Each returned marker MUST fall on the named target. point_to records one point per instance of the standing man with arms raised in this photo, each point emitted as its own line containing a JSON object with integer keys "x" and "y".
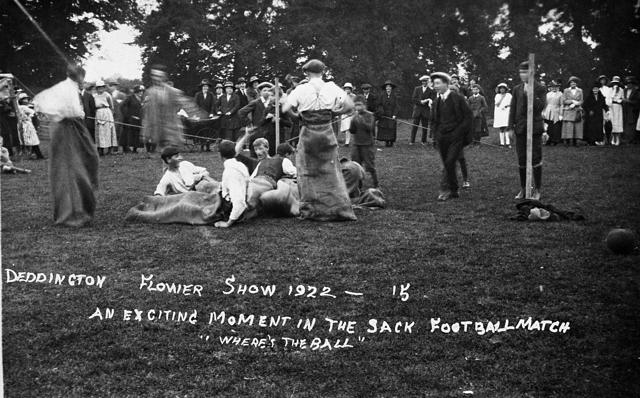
{"x": 518, "y": 120}
{"x": 451, "y": 121}
{"x": 323, "y": 193}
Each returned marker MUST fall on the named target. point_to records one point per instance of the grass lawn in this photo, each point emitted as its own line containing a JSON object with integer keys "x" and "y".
{"x": 465, "y": 260}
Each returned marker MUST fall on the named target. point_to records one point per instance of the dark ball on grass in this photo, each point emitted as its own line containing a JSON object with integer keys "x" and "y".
{"x": 621, "y": 241}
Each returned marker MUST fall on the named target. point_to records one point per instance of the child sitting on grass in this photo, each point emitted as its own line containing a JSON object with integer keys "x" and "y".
{"x": 269, "y": 170}
{"x": 233, "y": 187}
{"x": 6, "y": 164}
{"x": 181, "y": 176}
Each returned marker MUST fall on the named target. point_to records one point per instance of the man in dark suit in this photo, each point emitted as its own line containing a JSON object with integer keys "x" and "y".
{"x": 253, "y": 90}
{"x": 262, "y": 120}
{"x": 422, "y": 99}
{"x": 242, "y": 92}
{"x": 631, "y": 108}
{"x": 228, "y": 111}
{"x": 451, "y": 121}
{"x": 204, "y": 98}
{"x": 89, "y": 105}
{"x": 518, "y": 120}
{"x": 369, "y": 98}
{"x": 132, "y": 116}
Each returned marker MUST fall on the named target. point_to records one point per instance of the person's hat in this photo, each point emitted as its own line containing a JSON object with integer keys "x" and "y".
{"x": 524, "y": 66}
{"x": 169, "y": 152}
{"x": 205, "y": 82}
{"x": 631, "y": 80}
{"x": 615, "y": 80}
{"x": 359, "y": 99}
{"x": 90, "y": 84}
{"x": 574, "y": 79}
{"x": 424, "y": 77}
{"x": 242, "y": 80}
{"x": 265, "y": 84}
{"x": 348, "y": 85}
{"x": 303, "y": 81}
{"x": 602, "y": 77}
{"x": 22, "y": 96}
{"x": 388, "y": 83}
{"x": 365, "y": 86}
{"x": 502, "y": 85}
{"x": 100, "y": 83}
{"x": 454, "y": 76}
{"x": 314, "y": 66}
{"x": 441, "y": 75}
{"x": 229, "y": 84}
{"x": 138, "y": 89}
{"x": 219, "y": 85}
{"x": 113, "y": 83}
{"x": 253, "y": 79}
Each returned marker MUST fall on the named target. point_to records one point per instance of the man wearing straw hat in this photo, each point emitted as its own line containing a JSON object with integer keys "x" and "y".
{"x": 323, "y": 193}
{"x": 422, "y": 99}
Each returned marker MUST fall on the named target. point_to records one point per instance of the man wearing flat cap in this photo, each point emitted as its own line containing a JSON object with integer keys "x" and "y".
{"x": 422, "y": 99}
{"x": 451, "y": 123}
{"x": 323, "y": 192}
{"x": 518, "y": 120}
{"x": 263, "y": 122}
{"x": 369, "y": 97}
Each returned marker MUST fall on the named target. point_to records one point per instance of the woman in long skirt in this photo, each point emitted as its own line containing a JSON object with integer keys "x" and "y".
{"x": 387, "y": 113}
{"x": 502, "y": 103}
{"x": 617, "y": 124}
{"x": 572, "y": 113}
{"x": 73, "y": 170}
{"x": 551, "y": 114}
{"x": 105, "y": 127}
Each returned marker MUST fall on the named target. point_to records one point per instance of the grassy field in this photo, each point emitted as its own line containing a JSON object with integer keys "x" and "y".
{"x": 465, "y": 260}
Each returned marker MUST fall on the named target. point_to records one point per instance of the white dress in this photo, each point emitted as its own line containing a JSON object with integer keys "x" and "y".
{"x": 617, "y": 125}
{"x": 29, "y": 133}
{"x": 105, "y": 128}
{"x": 501, "y": 110}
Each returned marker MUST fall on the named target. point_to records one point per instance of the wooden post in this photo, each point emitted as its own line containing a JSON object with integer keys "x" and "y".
{"x": 277, "y": 91}
{"x": 530, "y": 96}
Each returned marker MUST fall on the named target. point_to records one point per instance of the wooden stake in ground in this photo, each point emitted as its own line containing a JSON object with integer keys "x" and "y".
{"x": 530, "y": 80}
{"x": 276, "y": 89}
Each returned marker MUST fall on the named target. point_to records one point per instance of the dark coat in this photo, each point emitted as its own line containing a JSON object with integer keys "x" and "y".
{"x": 451, "y": 117}
{"x": 256, "y": 110}
{"x": 89, "y": 105}
{"x": 593, "y": 108}
{"x": 131, "y": 109}
{"x": 631, "y": 106}
{"x": 518, "y": 109}
{"x": 231, "y": 106}
{"x": 244, "y": 99}
{"x": 420, "y": 109}
{"x": 206, "y": 104}
{"x": 372, "y": 102}
{"x": 387, "y": 108}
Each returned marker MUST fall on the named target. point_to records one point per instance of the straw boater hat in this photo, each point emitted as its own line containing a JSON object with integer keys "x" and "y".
{"x": 388, "y": 83}
{"x": 100, "y": 83}
{"x": 615, "y": 80}
{"x": 348, "y": 85}
{"x": 602, "y": 77}
{"x": 22, "y": 96}
{"x": 229, "y": 84}
{"x": 574, "y": 79}
{"x": 265, "y": 84}
{"x": 424, "y": 77}
{"x": 253, "y": 79}
{"x": 441, "y": 75}
{"x": 205, "y": 82}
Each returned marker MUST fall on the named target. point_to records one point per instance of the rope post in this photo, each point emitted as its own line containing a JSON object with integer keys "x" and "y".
{"x": 531, "y": 82}
{"x": 276, "y": 88}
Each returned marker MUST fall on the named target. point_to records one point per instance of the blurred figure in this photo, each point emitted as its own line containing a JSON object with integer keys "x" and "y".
{"x": 132, "y": 117}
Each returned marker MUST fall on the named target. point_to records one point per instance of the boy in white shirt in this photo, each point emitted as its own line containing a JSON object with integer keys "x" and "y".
{"x": 235, "y": 178}
{"x": 181, "y": 176}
